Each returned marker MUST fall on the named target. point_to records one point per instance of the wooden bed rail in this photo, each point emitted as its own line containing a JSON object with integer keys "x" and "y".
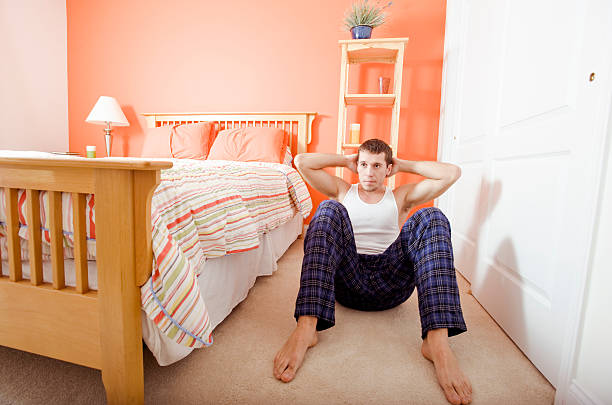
{"x": 99, "y": 329}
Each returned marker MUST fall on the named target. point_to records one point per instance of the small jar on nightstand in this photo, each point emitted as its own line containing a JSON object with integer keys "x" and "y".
{"x": 91, "y": 151}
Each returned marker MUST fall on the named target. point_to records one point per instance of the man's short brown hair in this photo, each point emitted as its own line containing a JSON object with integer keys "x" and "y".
{"x": 376, "y": 146}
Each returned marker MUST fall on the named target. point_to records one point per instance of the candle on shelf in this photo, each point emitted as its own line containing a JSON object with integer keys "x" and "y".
{"x": 355, "y": 128}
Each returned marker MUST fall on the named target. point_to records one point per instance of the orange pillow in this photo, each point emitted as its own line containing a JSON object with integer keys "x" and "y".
{"x": 186, "y": 141}
{"x": 191, "y": 141}
{"x": 250, "y": 144}
{"x": 157, "y": 142}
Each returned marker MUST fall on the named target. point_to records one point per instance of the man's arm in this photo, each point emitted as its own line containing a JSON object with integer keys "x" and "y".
{"x": 312, "y": 165}
{"x": 439, "y": 177}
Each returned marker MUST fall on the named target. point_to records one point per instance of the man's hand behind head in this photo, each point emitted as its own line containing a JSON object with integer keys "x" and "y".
{"x": 351, "y": 162}
{"x": 395, "y": 167}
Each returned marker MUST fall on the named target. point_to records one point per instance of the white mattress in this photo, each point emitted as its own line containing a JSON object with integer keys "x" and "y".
{"x": 224, "y": 282}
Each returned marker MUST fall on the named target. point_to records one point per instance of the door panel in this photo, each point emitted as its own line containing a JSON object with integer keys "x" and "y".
{"x": 531, "y": 223}
{"x": 525, "y": 135}
{"x": 540, "y": 55}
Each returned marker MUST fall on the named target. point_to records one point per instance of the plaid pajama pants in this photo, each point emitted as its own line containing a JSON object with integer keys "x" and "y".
{"x": 421, "y": 257}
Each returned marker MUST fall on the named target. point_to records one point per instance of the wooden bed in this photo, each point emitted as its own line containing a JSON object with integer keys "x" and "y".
{"x": 99, "y": 329}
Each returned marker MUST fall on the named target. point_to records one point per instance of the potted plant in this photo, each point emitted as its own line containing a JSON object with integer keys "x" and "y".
{"x": 362, "y": 17}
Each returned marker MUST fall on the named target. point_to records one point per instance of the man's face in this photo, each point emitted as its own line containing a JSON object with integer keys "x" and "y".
{"x": 372, "y": 170}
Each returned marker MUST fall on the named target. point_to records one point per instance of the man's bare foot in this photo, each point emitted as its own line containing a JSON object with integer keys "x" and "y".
{"x": 290, "y": 357}
{"x": 455, "y": 384}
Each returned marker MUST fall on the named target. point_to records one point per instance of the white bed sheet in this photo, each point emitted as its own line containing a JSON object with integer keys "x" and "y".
{"x": 224, "y": 282}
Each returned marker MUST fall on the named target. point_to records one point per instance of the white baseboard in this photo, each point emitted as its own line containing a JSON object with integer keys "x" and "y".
{"x": 577, "y": 394}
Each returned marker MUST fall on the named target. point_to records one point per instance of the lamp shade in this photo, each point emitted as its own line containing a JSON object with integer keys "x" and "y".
{"x": 107, "y": 110}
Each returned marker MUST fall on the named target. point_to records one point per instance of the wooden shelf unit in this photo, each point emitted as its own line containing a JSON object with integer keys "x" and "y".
{"x": 381, "y": 50}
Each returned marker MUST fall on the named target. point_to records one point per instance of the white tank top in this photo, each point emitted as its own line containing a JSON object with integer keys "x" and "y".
{"x": 374, "y": 225}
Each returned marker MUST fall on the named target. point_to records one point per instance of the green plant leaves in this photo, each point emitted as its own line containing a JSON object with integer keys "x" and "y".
{"x": 365, "y": 13}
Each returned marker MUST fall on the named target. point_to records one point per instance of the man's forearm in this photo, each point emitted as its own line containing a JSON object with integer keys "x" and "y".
{"x": 316, "y": 161}
{"x": 429, "y": 169}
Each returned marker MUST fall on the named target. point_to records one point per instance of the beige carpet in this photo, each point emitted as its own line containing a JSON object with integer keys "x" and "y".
{"x": 367, "y": 358}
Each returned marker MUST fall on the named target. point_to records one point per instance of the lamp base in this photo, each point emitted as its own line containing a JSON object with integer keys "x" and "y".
{"x": 108, "y": 138}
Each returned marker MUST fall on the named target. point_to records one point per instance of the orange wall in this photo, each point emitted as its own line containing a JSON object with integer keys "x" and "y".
{"x": 241, "y": 55}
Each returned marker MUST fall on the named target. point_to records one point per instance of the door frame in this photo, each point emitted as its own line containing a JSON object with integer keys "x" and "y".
{"x": 568, "y": 390}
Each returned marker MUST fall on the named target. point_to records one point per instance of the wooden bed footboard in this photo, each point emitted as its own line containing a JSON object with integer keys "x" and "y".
{"x": 99, "y": 329}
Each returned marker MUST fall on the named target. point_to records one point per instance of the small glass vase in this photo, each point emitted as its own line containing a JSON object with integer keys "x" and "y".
{"x": 361, "y": 32}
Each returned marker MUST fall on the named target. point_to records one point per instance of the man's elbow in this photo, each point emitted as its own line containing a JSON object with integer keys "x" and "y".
{"x": 454, "y": 173}
{"x": 299, "y": 161}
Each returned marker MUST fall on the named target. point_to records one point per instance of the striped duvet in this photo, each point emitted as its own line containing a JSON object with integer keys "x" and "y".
{"x": 200, "y": 210}
{"x": 210, "y": 209}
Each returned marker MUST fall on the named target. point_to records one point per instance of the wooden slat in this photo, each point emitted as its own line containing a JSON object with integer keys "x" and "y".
{"x": 80, "y": 242}
{"x": 61, "y": 324}
{"x": 301, "y": 134}
{"x": 55, "y": 231}
{"x": 12, "y": 224}
{"x": 34, "y": 237}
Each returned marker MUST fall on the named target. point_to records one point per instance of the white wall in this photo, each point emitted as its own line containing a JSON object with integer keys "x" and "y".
{"x": 33, "y": 75}
{"x": 593, "y": 373}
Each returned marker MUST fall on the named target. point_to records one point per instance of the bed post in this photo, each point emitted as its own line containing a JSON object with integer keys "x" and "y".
{"x": 119, "y": 200}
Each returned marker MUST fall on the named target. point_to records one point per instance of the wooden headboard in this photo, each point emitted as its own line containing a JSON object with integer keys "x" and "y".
{"x": 298, "y": 125}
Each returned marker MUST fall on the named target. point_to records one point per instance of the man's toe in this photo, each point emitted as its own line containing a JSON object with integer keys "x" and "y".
{"x": 279, "y": 367}
{"x": 288, "y": 374}
{"x": 466, "y": 392}
{"x": 460, "y": 389}
{"x": 451, "y": 395}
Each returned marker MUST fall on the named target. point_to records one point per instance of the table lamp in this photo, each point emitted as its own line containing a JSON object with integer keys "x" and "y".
{"x": 107, "y": 112}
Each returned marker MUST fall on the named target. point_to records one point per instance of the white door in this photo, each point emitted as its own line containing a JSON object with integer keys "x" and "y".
{"x": 523, "y": 119}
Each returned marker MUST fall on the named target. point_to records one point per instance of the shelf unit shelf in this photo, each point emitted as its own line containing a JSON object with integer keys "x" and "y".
{"x": 372, "y": 55}
{"x": 354, "y": 52}
{"x": 370, "y": 99}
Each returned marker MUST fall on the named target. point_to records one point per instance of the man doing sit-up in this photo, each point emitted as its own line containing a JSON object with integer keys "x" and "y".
{"x": 359, "y": 251}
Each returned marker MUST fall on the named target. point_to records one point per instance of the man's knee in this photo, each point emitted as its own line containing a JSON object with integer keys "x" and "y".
{"x": 427, "y": 215}
{"x": 329, "y": 208}
{"x": 432, "y": 213}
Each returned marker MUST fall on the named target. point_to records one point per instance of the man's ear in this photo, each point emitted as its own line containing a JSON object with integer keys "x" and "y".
{"x": 389, "y": 168}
